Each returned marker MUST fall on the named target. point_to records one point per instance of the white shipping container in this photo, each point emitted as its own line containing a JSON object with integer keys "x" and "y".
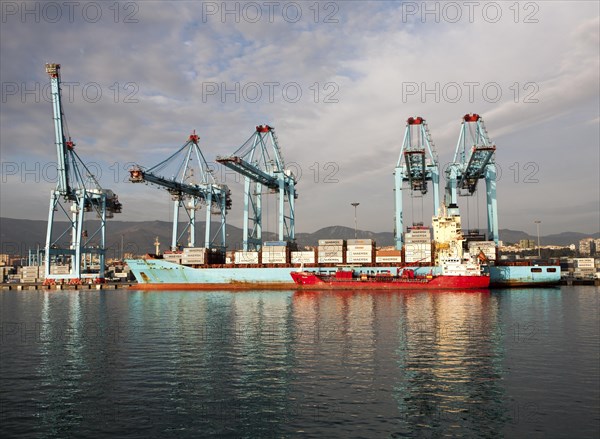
{"x": 330, "y": 260}
{"x": 359, "y": 253}
{"x": 275, "y": 261}
{"x": 331, "y": 242}
{"x": 242, "y": 257}
{"x": 303, "y": 259}
{"x": 193, "y": 250}
{"x": 395, "y": 259}
{"x": 297, "y": 257}
{"x": 359, "y": 247}
{"x": 192, "y": 260}
{"x": 353, "y": 259}
{"x": 274, "y": 256}
{"x": 584, "y": 262}
{"x": 274, "y": 249}
{"x": 331, "y": 252}
{"x": 417, "y": 259}
{"x": 419, "y": 232}
{"x": 168, "y": 256}
{"x": 360, "y": 242}
{"x": 331, "y": 248}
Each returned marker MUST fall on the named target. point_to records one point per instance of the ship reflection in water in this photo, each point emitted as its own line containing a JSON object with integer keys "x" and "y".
{"x": 306, "y": 363}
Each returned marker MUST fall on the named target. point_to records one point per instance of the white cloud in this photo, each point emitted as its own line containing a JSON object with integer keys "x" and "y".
{"x": 368, "y": 59}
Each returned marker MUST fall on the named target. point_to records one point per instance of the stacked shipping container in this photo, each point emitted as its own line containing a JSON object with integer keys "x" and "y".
{"x": 360, "y": 251}
{"x": 331, "y": 251}
{"x": 417, "y": 247}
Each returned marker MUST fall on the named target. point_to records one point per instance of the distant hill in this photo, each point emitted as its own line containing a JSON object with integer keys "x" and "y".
{"x": 17, "y": 236}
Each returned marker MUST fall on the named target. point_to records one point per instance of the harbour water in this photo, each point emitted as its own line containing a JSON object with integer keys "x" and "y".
{"x": 503, "y": 363}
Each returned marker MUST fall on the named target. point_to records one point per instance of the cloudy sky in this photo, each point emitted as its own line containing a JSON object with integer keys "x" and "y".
{"x": 336, "y": 79}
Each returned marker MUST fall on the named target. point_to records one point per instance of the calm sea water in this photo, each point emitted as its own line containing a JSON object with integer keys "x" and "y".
{"x": 507, "y": 363}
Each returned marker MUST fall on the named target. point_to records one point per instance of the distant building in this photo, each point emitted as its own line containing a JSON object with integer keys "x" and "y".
{"x": 586, "y": 246}
{"x": 4, "y": 259}
{"x": 527, "y": 243}
{"x": 597, "y": 245}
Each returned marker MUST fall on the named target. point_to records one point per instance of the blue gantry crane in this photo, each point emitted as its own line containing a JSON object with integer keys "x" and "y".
{"x": 417, "y": 165}
{"x": 77, "y": 192}
{"x": 190, "y": 188}
{"x": 474, "y": 159}
{"x": 260, "y": 161}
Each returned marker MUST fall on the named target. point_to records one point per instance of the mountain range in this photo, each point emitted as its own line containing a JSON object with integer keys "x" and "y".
{"x": 17, "y": 236}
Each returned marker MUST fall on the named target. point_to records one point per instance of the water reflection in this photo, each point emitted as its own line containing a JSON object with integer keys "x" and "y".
{"x": 261, "y": 364}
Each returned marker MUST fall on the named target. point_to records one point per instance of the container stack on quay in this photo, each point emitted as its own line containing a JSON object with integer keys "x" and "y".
{"x": 360, "y": 251}
{"x": 417, "y": 245}
{"x": 32, "y": 274}
{"x": 36, "y": 273}
{"x": 584, "y": 268}
{"x": 331, "y": 251}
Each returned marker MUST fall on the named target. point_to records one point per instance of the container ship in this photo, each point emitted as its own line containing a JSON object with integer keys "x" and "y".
{"x": 276, "y": 266}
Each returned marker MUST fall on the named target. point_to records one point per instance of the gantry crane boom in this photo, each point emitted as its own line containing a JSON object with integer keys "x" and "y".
{"x": 260, "y": 161}
{"x": 474, "y": 159}
{"x": 76, "y": 185}
{"x": 417, "y": 164}
{"x": 216, "y": 197}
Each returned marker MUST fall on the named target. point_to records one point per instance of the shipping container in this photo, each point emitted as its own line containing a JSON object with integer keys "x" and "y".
{"x": 242, "y": 257}
{"x": 193, "y": 250}
{"x": 359, "y": 253}
{"x": 354, "y": 259}
{"x": 584, "y": 262}
{"x": 339, "y": 242}
{"x": 275, "y": 244}
{"x": 192, "y": 261}
{"x": 306, "y": 257}
{"x": 332, "y": 247}
{"x": 330, "y": 260}
{"x": 359, "y": 247}
{"x": 388, "y": 259}
{"x": 274, "y": 249}
{"x": 360, "y": 242}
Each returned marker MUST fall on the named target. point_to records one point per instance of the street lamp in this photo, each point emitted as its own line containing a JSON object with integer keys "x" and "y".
{"x": 355, "y": 223}
{"x": 537, "y": 224}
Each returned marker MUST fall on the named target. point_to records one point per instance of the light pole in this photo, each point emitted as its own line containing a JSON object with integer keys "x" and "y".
{"x": 355, "y": 223}
{"x": 537, "y": 224}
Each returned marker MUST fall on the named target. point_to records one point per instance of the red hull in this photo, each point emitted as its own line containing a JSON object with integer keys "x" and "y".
{"x": 440, "y": 282}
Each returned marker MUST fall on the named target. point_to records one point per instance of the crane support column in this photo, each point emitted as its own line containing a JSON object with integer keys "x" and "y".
{"x": 492, "y": 208}
{"x": 399, "y": 212}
